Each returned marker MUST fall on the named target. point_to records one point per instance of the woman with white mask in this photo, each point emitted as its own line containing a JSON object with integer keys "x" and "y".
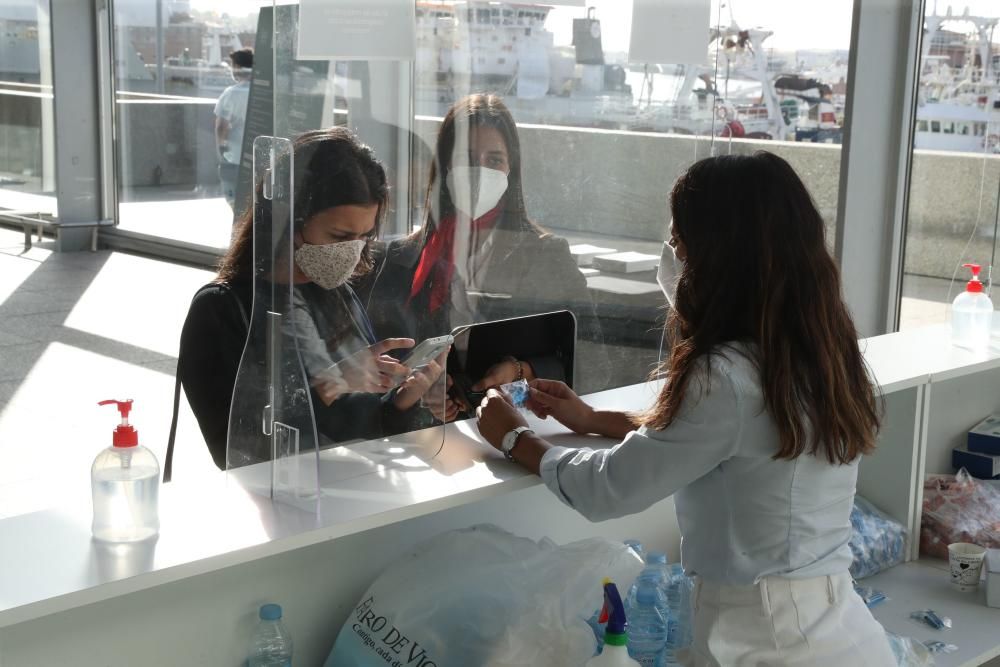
{"x": 340, "y": 195}
{"x": 757, "y": 432}
{"x": 478, "y": 257}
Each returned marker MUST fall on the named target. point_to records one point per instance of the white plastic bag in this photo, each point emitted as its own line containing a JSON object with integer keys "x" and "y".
{"x": 909, "y": 652}
{"x": 481, "y": 596}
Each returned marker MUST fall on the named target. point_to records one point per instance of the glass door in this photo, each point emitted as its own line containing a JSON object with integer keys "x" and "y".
{"x": 27, "y": 127}
{"x": 182, "y": 73}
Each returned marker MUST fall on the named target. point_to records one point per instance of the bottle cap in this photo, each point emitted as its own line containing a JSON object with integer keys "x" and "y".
{"x": 656, "y": 557}
{"x": 125, "y": 435}
{"x": 270, "y": 612}
{"x": 973, "y": 285}
{"x": 614, "y": 613}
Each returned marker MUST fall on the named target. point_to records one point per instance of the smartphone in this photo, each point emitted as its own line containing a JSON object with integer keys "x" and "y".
{"x": 427, "y": 351}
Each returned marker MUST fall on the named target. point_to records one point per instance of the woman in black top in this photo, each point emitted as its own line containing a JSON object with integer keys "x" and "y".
{"x": 340, "y": 195}
{"x": 478, "y": 257}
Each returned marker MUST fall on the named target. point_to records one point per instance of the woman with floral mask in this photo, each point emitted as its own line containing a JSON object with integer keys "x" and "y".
{"x": 340, "y": 197}
{"x": 478, "y": 257}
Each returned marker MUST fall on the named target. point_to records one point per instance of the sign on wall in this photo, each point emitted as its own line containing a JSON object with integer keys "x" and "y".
{"x": 357, "y": 30}
{"x": 670, "y": 31}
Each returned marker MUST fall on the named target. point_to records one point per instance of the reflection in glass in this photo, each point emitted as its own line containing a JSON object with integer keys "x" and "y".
{"x": 955, "y": 171}
{"x": 304, "y": 368}
{"x": 27, "y": 127}
{"x": 179, "y": 102}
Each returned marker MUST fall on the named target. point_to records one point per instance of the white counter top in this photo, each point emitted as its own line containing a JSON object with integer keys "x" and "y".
{"x": 910, "y": 358}
{"x": 51, "y": 564}
{"x": 925, "y": 584}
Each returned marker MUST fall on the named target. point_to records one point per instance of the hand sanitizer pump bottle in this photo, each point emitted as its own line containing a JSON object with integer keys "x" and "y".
{"x": 125, "y": 481}
{"x": 972, "y": 314}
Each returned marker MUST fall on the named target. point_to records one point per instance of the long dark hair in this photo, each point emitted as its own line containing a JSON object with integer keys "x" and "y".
{"x": 757, "y": 270}
{"x": 331, "y": 168}
{"x": 467, "y": 115}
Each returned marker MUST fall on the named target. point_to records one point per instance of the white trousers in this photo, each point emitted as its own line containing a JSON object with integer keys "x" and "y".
{"x": 818, "y": 622}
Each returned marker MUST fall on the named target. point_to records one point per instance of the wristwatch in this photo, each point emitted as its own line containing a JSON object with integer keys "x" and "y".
{"x": 510, "y": 440}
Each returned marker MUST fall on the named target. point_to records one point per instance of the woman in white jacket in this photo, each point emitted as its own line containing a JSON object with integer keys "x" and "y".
{"x": 765, "y": 413}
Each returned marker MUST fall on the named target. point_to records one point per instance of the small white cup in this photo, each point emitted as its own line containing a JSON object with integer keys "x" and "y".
{"x": 966, "y": 564}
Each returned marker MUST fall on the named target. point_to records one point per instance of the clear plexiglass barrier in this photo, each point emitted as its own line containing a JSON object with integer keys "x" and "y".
{"x": 426, "y": 167}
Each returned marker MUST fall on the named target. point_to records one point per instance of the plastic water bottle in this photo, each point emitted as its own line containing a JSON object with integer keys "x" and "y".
{"x": 636, "y": 546}
{"x": 647, "y": 629}
{"x": 657, "y": 572}
{"x": 679, "y": 636}
{"x": 656, "y": 561}
{"x": 272, "y": 643}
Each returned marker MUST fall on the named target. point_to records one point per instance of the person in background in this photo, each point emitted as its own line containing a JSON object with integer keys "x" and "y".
{"x": 478, "y": 256}
{"x": 765, "y": 413}
{"x": 340, "y": 198}
{"x": 230, "y": 118}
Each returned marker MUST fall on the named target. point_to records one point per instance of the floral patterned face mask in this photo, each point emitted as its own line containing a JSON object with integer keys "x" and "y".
{"x": 329, "y": 265}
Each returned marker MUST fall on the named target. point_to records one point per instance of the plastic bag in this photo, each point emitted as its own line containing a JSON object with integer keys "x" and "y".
{"x": 482, "y": 596}
{"x": 958, "y": 508}
{"x": 877, "y": 542}
{"x": 909, "y": 652}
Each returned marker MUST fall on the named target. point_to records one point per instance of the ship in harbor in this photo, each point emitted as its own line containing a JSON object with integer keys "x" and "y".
{"x": 958, "y": 108}
{"x": 504, "y": 47}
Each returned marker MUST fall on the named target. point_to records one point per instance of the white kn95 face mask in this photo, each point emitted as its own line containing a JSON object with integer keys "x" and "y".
{"x": 669, "y": 272}
{"x": 476, "y": 190}
{"x": 329, "y": 265}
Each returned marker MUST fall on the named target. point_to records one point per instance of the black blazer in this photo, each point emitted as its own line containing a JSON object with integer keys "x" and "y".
{"x": 536, "y": 271}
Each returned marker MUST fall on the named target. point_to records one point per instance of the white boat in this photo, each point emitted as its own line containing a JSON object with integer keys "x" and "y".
{"x": 958, "y": 107}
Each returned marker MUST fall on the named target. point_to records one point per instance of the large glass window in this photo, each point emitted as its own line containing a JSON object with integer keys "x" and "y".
{"x": 597, "y": 139}
{"x": 27, "y": 128}
{"x": 180, "y": 101}
{"x": 955, "y": 177}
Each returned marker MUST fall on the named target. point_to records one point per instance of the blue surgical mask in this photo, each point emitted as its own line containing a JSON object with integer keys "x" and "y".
{"x": 669, "y": 272}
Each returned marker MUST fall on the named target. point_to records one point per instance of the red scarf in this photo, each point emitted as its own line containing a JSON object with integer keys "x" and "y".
{"x": 437, "y": 261}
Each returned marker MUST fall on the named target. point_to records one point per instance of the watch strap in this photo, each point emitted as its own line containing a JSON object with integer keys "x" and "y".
{"x": 511, "y": 439}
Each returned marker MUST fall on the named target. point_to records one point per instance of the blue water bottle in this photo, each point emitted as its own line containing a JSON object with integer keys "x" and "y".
{"x": 647, "y": 635}
{"x": 272, "y": 643}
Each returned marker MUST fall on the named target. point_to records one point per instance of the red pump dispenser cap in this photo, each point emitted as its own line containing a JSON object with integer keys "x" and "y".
{"x": 973, "y": 285}
{"x": 125, "y": 435}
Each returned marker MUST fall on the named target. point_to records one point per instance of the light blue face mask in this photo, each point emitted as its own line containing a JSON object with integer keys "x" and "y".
{"x": 669, "y": 272}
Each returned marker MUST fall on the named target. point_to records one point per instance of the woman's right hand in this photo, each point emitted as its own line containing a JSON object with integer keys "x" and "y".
{"x": 368, "y": 370}
{"x": 553, "y": 398}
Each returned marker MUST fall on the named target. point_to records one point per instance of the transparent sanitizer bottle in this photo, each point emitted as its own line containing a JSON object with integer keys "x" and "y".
{"x": 972, "y": 314}
{"x": 125, "y": 481}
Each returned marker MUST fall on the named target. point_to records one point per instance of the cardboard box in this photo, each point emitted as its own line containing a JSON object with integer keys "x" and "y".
{"x": 982, "y": 466}
{"x": 992, "y": 567}
{"x": 985, "y": 437}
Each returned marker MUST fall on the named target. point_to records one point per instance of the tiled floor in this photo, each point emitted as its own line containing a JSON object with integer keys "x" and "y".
{"x": 76, "y": 328}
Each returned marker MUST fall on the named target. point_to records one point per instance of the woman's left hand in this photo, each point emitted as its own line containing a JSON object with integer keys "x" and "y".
{"x": 419, "y": 383}
{"x": 496, "y": 417}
